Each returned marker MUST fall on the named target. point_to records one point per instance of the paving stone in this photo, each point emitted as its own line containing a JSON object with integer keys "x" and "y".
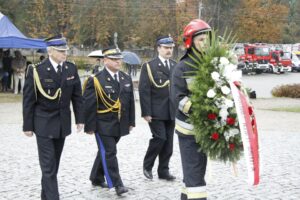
{"x": 20, "y": 172}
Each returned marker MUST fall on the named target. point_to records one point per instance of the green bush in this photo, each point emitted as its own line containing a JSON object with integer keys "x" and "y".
{"x": 80, "y": 63}
{"x": 292, "y": 90}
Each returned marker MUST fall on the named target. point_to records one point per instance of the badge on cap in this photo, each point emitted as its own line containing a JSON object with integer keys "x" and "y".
{"x": 57, "y": 42}
{"x": 112, "y": 52}
{"x": 165, "y": 41}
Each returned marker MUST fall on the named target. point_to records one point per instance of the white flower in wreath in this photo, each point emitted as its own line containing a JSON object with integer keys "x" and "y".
{"x": 227, "y": 136}
{"x": 223, "y": 114}
{"x": 214, "y": 61}
{"x": 224, "y": 61}
{"x": 229, "y": 103}
{"x": 225, "y": 90}
{"x": 218, "y": 125}
{"x": 215, "y": 76}
{"x": 219, "y": 102}
{"x": 233, "y": 132}
{"x": 211, "y": 93}
{"x": 228, "y": 70}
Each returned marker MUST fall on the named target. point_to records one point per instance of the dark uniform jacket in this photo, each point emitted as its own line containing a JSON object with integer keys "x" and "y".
{"x": 156, "y": 102}
{"x": 52, "y": 118}
{"x": 180, "y": 92}
{"x": 108, "y": 124}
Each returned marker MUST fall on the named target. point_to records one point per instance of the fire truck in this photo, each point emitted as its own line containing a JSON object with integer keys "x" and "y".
{"x": 255, "y": 58}
{"x": 280, "y": 61}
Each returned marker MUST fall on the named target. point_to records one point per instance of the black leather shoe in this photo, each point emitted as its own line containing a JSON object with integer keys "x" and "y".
{"x": 167, "y": 177}
{"x": 148, "y": 174}
{"x": 101, "y": 184}
{"x": 121, "y": 190}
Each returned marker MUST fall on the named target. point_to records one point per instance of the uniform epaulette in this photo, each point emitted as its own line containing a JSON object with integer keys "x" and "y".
{"x": 37, "y": 64}
{"x": 30, "y": 66}
{"x": 96, "y": 74}
{"x": 144, "y": 63}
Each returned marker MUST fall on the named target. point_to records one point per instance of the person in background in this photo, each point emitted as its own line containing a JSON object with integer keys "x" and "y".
{"x": 1, "y": 66}
{"x": 7, "y": 71}
{"x": 97, "y": 172}
{"x": 42, "y": 57}
{"x": 19, "y": 66}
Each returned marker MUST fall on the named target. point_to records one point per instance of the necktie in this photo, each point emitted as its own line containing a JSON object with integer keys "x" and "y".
{"x": 166, "y": 64}
{"x": 58, "y": 71}
{"x": 116, "y": 79}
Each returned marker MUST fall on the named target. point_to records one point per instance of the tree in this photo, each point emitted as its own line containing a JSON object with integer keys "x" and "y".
{"x": 291, "y": 29}
{"x": 261, "y": 21}
{"x": 35, "y": 25}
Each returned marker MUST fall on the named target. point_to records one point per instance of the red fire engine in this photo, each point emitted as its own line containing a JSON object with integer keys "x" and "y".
{"x": 280, "y": 61}
{"x": 255, "y": 58}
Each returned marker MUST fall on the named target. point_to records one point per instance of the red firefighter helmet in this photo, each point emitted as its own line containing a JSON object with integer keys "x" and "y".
{"x": 195, "y": 27}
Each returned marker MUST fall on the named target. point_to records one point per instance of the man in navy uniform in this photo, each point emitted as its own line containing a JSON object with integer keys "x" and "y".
{"x": 109, "y": 113}
{"x": 49, "y": 88}
{"x": 157, "y": 108}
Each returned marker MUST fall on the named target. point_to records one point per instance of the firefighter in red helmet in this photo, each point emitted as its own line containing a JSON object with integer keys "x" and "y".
{"x": 196, "y": 36}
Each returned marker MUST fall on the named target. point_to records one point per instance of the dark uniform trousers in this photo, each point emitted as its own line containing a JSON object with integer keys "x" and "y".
{"x": 108, "y": 154}
{"x": 49, "y": 151}
{"x": 50, "y": 119}
{"x": 193, "y": 164}
{"x": 97, "y": 173}
{"x": 155, "y": 102}
{"x": 160, "y": 145}
{"x": 108, "y": 127}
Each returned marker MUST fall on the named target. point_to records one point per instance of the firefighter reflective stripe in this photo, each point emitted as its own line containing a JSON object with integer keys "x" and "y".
{"x": 185, "y": 105}
{"x": 195, "y": 192}
{"x": 189, "y": 82}
{"x": 165, "y": 84}
{"x": 38, "y": 85}
{"x": 184, "y": 128}
{"x": 182, "y": 102}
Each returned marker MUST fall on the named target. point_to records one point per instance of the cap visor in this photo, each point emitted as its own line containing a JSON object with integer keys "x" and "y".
{"x": 168, "y": 45}
{"x": 61, "y": 48}
{"x": 115, "y": 56}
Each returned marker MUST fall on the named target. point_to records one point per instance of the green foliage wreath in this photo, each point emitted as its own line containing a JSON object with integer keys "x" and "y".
{"x": 213, "y": 111}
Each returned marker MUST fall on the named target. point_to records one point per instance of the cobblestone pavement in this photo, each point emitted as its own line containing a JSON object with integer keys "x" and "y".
{"x": 20, "y": 172}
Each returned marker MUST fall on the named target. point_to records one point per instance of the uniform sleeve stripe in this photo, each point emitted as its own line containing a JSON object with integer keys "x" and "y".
{"x": 184, "y": 124}
{"x": 182, "y": 103}
{"x": 187, "y": 107}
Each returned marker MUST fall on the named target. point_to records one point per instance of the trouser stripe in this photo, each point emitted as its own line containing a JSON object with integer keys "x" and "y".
{"x": 102, "y": 151}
